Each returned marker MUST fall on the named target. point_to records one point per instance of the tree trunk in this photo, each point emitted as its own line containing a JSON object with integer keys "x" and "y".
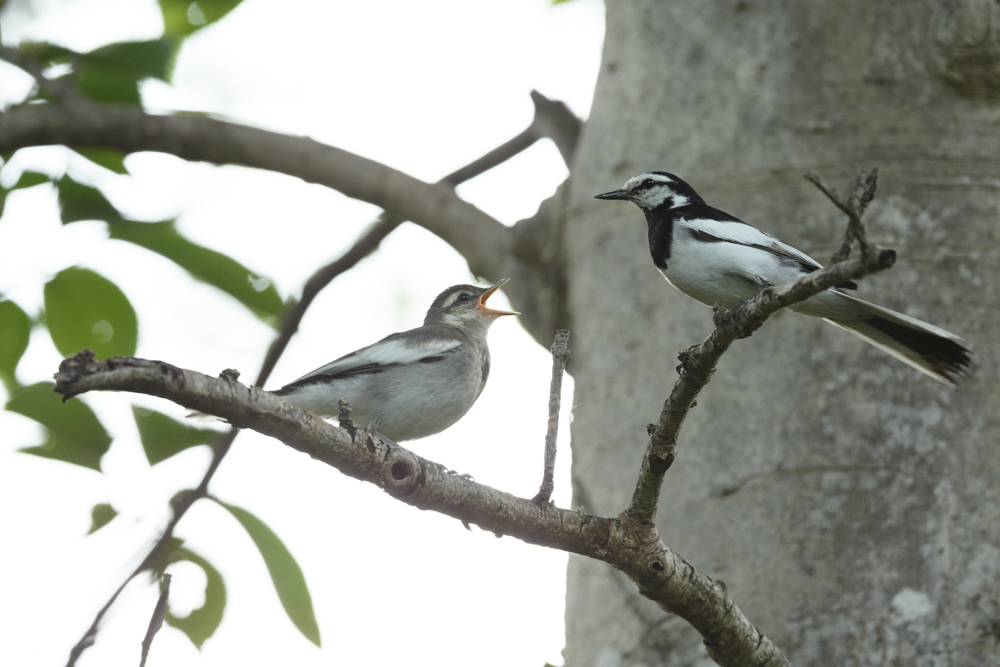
{"x": 851, "y": 505}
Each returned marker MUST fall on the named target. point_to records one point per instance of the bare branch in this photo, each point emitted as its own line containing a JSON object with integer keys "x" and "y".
{"x": 485, "y": 242}
{"x": 156, "y": 620}
{"x": 854, "y": 207}
{"x": 633, "y": 548}
{"x": 699, "y": 362}
{"x": 560, "y": 355}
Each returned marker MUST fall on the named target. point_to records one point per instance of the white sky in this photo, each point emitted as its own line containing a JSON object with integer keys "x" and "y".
{"x": 421, "y": 86}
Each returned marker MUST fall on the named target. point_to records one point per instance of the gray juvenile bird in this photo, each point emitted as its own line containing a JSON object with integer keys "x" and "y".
{"x": 414, "y": 383}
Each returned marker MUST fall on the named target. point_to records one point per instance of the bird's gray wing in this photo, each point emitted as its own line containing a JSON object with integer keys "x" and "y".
{"x": 403, "y": 348}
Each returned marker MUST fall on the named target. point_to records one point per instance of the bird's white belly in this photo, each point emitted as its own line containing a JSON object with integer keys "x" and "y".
{"x": 727, "y": 274}
{"x": 716, "y": 273}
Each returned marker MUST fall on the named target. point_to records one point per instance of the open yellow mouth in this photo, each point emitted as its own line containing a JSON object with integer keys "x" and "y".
{"x": 481, "y": 303}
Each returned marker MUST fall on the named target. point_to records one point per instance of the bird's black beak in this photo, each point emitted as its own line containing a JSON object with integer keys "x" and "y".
{"x": 616, "y": 194}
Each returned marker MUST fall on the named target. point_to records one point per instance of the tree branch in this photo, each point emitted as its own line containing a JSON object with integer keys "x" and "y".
{"x": 545, "y": 120}
{"x": 156, "y": 620}
{"x": 698, "y": 363}
{"x": 548, "y": 121}
{"x": 560, "y": 355}
{"x": 631, "y": 547}
{"x": 484, "y": 242}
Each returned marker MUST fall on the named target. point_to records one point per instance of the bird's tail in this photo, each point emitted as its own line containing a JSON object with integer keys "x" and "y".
{"x": 927, "y": 348}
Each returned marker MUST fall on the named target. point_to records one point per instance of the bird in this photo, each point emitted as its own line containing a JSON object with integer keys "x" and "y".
{"x": 716, "y": 258}
{"x": 415, "y": 383}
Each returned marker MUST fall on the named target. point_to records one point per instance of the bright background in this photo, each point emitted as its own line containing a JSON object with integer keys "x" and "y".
{"x": 424, "y": 87}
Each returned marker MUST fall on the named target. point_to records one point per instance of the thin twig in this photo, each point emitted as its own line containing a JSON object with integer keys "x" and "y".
{"x": 560, "y": 354}
{"x": 181, "y": 504}
{"x": 156, "y": 620}
{"x": 854, "y": 207}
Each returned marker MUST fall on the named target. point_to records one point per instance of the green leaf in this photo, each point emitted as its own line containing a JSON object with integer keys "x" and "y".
{"x": 100, "y": 516}
{"x": 256, "y": 293}
{"x": 289, "y": 582}
{"x": 109, "y": 158}
{"x": 86, "y": 310}
{"x": 134, "y": 60}
{"x": 107, "y": 85}
{"x": 162, "y": 437}
{"x": 15, "y": 329}
{"x": 30, "y": 179}
{"x": 183, "y": 17}
{"x": 50, "y": 54}
{"x": 83, "y": 202}
{"x": 73, "y": 433}
{"x": 202, "y": 622}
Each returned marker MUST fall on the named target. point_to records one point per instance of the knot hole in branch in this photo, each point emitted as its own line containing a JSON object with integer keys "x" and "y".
{"x": 401, "y": 472}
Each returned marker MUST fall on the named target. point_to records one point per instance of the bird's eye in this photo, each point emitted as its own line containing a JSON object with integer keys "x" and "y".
{"x": 464, "y": 297}
{"x": 648, "y": 183}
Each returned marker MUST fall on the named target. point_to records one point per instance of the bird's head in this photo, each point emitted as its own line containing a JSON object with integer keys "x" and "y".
{"x": 655, "y": 190}
{"x": 464, "y": 306}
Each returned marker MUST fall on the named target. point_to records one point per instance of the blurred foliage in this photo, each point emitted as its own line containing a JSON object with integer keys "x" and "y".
{"x": 183, "y": 17}
{"x": 202, "y": 622}
{"x": 101, "y": 515}
{"x": 72, "y": 432}
{"x": 15, "y": 328}
{"x": 84, "y": 202}
{"x": 111, "y": 159}
{"x": 83, "y": 309}
{"x": 162, "y": 437}
{"x": 289, "y": 582}
{"x": 86, "y": 310}
{"x": 252, "y": 290}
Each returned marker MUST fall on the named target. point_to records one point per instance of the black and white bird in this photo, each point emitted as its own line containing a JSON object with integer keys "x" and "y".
{"x": 718, "y": 259}
{"x": 414, "y": 383}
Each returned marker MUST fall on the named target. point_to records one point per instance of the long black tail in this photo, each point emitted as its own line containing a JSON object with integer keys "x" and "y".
{"x": 931, "y": 350}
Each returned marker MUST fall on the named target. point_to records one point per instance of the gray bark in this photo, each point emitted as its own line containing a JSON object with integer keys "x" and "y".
{"x": 851, "y": 505}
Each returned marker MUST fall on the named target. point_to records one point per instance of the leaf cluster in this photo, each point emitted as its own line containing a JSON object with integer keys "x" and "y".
{"x": 84, "y": 309}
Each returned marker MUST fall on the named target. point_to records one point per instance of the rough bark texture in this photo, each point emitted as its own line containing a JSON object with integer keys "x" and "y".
{"x": 850, "y": 504}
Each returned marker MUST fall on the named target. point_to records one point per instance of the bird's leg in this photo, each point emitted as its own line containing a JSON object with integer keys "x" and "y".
{"x": 344, "y": 418}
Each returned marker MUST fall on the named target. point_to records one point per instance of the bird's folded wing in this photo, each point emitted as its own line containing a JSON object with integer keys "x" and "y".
{"x": 387, "y": 352}
{"x": 740, "y": 233}
{"x": 736, "y": 231}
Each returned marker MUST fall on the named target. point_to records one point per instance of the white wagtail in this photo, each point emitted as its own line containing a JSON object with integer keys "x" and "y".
{"x": 415, "y": 383}
{"x": 718, "y": 259}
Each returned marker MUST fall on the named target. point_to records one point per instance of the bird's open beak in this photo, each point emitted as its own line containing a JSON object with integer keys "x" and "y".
{"x": 481, "y": 304}
{"x": 615, "y": 194}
